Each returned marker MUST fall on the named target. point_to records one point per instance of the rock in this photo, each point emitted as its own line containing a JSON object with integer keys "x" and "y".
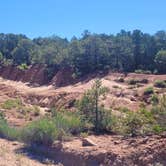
{"x": 133, "y": 98}
{"x": 144, "y": 141}
{"x": 116, "y": 142}
{"x": 163, "y": 135}
{"x": 58, "y": 145}
{"x": 87, "y": 142}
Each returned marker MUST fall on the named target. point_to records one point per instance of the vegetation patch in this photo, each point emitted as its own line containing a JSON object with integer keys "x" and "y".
{"x": 90, "y": 116}
{"x": 137, "y": 82}
{"x": 140, "y": 71}
{"x": 11, "y": 103}
{"x": 160, "y": 84}
{"x": 148, "y": 91}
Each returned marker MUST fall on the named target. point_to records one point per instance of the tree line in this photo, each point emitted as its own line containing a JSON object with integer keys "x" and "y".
{"x": 124, "y": 52}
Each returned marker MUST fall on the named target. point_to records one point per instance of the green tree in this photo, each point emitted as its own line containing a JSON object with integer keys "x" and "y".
{"x": 89, "y": 104}
{"x": 160, "y": 61}
{"x": 23, "y": 52}
{"x": 1, "y": 58}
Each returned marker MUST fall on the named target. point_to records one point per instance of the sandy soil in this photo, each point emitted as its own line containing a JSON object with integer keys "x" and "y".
{"x": 10, "y": 156}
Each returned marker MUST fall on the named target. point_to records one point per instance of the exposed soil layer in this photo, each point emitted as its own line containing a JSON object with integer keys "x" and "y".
{"x": 120, "y": 94}
{"x": 38, "y": 74}
{"x": 109, "y": 150}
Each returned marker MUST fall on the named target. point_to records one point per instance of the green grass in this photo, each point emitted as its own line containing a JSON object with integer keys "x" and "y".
{"x": 11, "y": 103}
{"x": 41, "y": 132}
{"x": 8, "y": 132}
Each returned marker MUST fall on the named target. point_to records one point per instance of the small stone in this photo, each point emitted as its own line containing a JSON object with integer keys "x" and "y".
{"x": 58, "y": 145}
{"x": 87, "y": 142}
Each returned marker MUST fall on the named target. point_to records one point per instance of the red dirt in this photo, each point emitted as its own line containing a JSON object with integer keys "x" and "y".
{"x": 110, "y": 150}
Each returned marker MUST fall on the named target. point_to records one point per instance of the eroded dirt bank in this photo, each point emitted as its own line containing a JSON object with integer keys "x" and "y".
{"x": 120, "y": 94}
{"x": 38, "y": 74}
{"x": 109, "y": 151}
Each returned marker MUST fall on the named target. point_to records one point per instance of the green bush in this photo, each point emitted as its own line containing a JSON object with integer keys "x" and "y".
{"x": 154, "y": 99}
{"x": 69, "y": 122}
{"x": 140, "y": 71}
{"x": 133, "y": 123}
{"x": 133, "y": 82}
{"x": 8, "y": 132}
{"x": 136, "y": 81}
{"x": 107, "y": 121}
{"x": 23, "y": 66}
{"x": 11, "y": 103}
{"x": 160, "y": 84}
{"x": 36, "y": 110}
{"x": 159, "y": 113}
{"x": 124, "y": 109}
{"x": 2, "y": 116}
{"x": 157, "y": 129}
{"x": 41, "y": 132}
{"x": 148, "y": 91}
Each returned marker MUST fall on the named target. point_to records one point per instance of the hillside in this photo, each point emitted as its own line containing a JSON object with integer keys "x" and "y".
{"x": 121, "y": 94}
{"x": 109, "y": 149}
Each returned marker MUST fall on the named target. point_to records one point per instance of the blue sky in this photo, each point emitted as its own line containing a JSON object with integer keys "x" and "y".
{"x": 71, "y": 17}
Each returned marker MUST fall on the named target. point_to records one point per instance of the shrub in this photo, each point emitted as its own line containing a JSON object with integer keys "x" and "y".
{"x": 133, "y": 123}
{"x": 116, "y": 86}
{"x": 132, "y": 82}
{"x": 2, "y": 116}
{"x": 147, "y": 72}
{"x": 23, "y": 66}
{"x": 7, "y": 131}
{"x": 148, "y": 91}
{"x": 41, "y": 132}
{"x": 157, "y": 129}
{"x": 159, "y": 113}
{"x": 160, "y": 84}
{"x": 124, "y": 109}
{"x": 140, "y": 71}
{"x": 107, "y": 121}
{"x": 36, "y": 110}
{"x": 69, "y": 122}
{"x": 11, "y": 103}
{"x": 144, "y": 81}
{"x": 154, "y": 99}
{"x": 135, "y": 81}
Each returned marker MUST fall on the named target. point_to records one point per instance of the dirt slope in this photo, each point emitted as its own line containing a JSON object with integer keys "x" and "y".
{"x": 109, "y": 150}
{"x": 10, "y": 157}
{"x": 120, "y": 94}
